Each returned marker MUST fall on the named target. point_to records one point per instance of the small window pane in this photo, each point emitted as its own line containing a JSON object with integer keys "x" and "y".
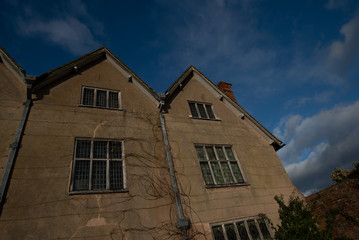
{"x": 237, "y": 173}
{"x": 100, "y": 98}
{"x": 217, "y": 173}
{"x": 88, "y": 97}
{"x": 218, "y": 233}
{"x": 98, "y": 175}
{"x": 201, "y": 110}
{"x": 115, "y": 150}
{"x": 210, "y": 153}
{"x": 99, "y": 149}
{"x": 231, "y": 233}
{"x": 193, "y": 109}
{"x": 227, "y": 172}
{"x": 243, "y": 234}
{"x": 206, "y": 173}
{"x": 81, "y": 175}
{"x": 230, "y": 154}
{"x": 220, "y": 153}
{"x": 200, "y": 153}
{"x": 253, "y": 230}
{"x": 116, "y": 176}
{"x": 210, "y": 112}
{"x": 264, "y": 229}
{"x": 113, "y": 100}
{"x": 83, "y": 149}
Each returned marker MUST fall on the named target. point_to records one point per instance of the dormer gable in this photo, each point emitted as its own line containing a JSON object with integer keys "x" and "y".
{"x": 199, "y": 105}
{"x": 77, "y": 66}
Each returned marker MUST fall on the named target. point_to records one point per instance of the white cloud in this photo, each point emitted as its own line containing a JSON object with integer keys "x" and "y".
{"x": 344, "y": 53}
{"x": 69, "y": 33}
{"x": 318, "y": 144}
{"x": 70, "y": 25}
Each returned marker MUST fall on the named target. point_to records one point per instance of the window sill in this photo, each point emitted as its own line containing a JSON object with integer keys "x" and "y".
{"x": 98, "y": 192}
{"x": 208, "y": 119}
{"x": 227, "y": 185}
{"x": 118, "y": 109}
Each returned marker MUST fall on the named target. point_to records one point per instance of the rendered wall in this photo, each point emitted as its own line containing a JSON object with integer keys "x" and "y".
{"x": 258, "y": 161}
{"x": 39, "y": 205}
{"x": 13, "y": 95}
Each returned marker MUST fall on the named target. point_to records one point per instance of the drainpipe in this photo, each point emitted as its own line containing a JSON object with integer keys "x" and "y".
{"x": 15, "y": 146}
{"x": 182, "y": 222}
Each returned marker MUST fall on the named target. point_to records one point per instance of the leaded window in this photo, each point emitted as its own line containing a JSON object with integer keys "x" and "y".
{"x": 218, "y": 165}
{"x": 253, "y": 228}
{"x": 98, "y": 165}
{"x": 101, "y": 98}
{"x": 201, "y": 110}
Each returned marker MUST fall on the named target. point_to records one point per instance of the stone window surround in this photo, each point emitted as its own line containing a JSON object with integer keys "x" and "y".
{"x": 94, "y": 100}
{"x": 91, "y": 159}
{"x": 245, "y": 221}
{"x": 230, "y": 163}
{"x": 207, "y": 112}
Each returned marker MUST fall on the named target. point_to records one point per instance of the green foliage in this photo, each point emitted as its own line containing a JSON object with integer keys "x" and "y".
{"x": 339, "y": 175}
{"x": 297, "y": 221}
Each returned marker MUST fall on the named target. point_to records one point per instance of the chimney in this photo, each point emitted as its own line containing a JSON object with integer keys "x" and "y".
{"x": 226, "y": 88}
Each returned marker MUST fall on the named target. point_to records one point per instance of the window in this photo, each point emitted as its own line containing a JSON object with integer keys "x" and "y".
{"x": 201, "y": 110}
{"x": 246, "y": 229}
{"x": 219, "y": 165}
{"x": 101, "y": 98}
{"x": 98, "y": 165}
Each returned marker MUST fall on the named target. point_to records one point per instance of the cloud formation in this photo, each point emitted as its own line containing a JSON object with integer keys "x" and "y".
{"x": 318, "y": 144}
{"x": 68, "y": 32}
{"x": 66, "y": 27}
{"x": 344, "y": 53}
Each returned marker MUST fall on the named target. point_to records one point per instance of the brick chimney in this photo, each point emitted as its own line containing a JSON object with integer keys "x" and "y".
{"x": 226, "y": 88}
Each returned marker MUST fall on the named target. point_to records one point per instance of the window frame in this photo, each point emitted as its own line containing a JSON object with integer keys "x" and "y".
{"x": 245, "y": 220}
{"x": 228, "y": 161}
{"x": 205, "y": 105}
{"x": 91, "y": 159}
{"x": 94, "y": 103}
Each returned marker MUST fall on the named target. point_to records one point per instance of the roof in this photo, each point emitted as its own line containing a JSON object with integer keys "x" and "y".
{"x": 185, "y": 77}
{"x": 71, "y": 68}
{"x": 12, "y": 64}
{"x": 84, "y": 62}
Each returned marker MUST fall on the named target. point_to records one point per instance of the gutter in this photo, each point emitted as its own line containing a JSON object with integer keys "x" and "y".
{"x": 15, "y": 146}
{"x": 182, "y": 222}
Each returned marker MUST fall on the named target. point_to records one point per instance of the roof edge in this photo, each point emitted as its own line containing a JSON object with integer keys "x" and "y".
{"x": 13, "y": 66}
{"x": 277, "y": 144}
{"x": 71, "y": 67}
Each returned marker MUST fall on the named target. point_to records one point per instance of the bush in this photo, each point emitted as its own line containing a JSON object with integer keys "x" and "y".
{"x": 297, "y": 221}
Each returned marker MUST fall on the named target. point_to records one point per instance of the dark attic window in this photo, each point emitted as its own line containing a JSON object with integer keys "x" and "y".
{"x": 101, "y": 98}
{"x": 201, "y": 110}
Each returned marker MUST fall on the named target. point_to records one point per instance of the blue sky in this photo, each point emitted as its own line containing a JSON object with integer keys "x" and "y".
{"x": 294, "y": 65}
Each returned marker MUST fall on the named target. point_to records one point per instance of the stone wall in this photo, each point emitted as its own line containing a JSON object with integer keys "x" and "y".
{"x": 343, "y": 199}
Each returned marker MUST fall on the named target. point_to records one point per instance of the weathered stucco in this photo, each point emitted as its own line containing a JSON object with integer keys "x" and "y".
{"x": 13, "y": 95}
{"x": 258, "y": 161}
{"x": 40, "y": 205}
